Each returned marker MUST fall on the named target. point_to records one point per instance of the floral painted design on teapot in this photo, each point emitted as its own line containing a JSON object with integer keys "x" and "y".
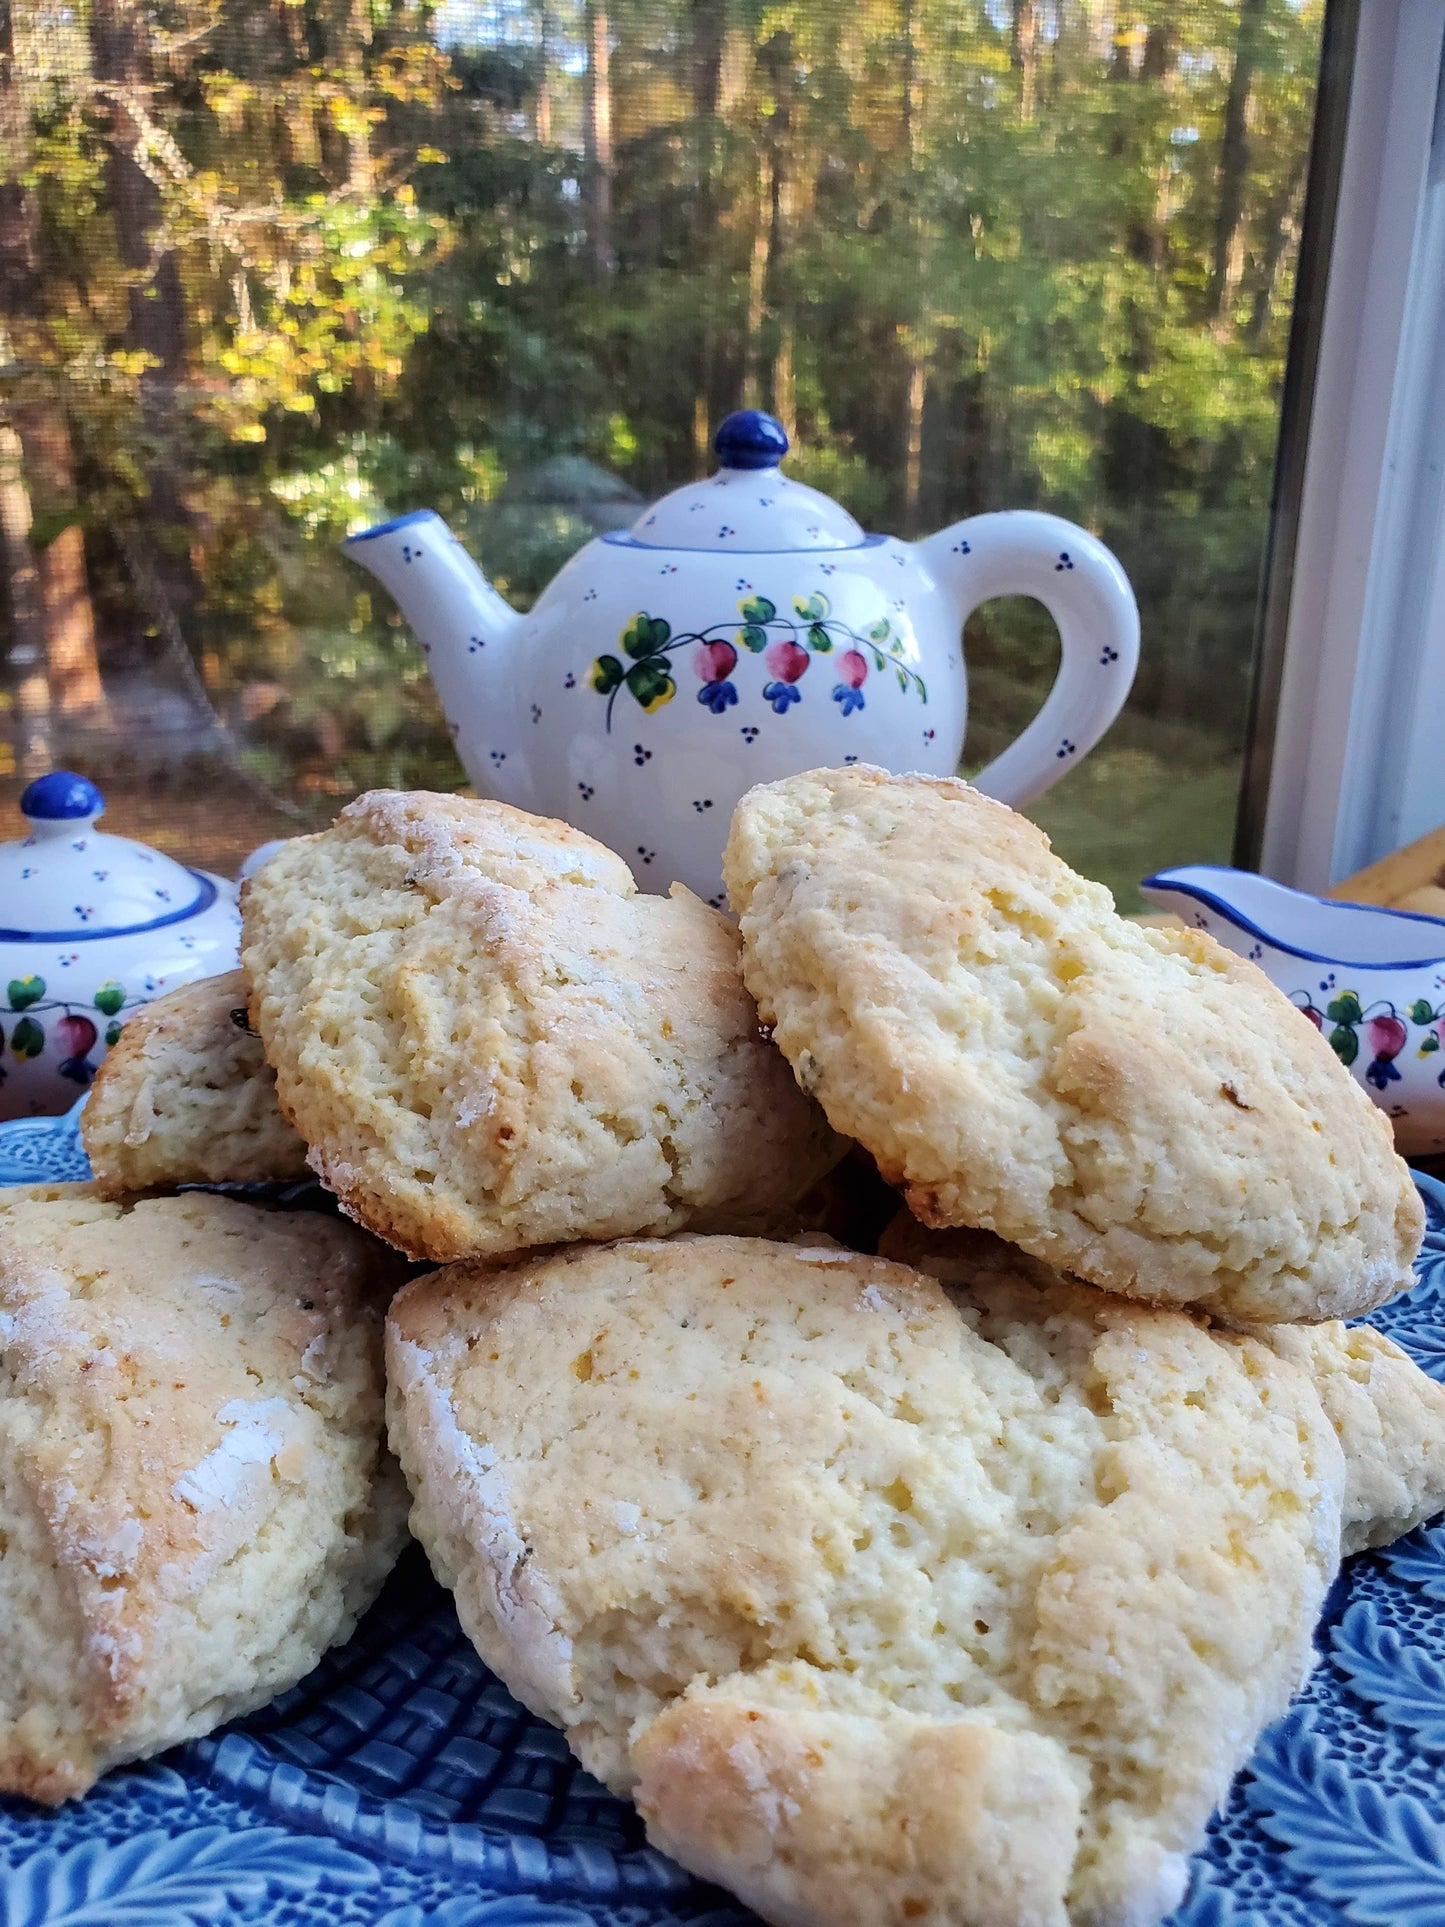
{"x": 787, "y": 645}
{"x": 743, "y": 629}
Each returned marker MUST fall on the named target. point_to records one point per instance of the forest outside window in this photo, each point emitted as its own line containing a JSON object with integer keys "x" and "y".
{"x": 272, "y": 269}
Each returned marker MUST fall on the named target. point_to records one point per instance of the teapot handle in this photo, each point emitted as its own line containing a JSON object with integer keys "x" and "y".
{"x": 1085, "y": 590}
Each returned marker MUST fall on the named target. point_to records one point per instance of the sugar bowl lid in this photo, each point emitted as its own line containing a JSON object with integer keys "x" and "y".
{"x": 66, "y": 880}
{"x": 749, "y": 505}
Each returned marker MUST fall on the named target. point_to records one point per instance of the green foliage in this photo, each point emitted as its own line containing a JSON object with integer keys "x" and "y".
{"x": 969, "y": 273}
{"x": 1345, "y": 1043}
{"x": 645, "y": 635}
{"x": 651, "y": 684}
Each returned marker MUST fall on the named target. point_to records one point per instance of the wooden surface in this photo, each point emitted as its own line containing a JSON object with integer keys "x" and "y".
{"x": 1408, "y": 879}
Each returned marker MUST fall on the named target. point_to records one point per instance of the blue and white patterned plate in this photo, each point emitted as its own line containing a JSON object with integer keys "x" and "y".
{"x": 402, "y": 1786}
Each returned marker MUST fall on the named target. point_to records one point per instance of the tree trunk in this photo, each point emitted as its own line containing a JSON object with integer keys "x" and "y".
{"x": 59, "y": 548}
{"x": 916, "y": 253}
{"x": 1234, "y": 161}
{"x": 1024, "y": 57}
{"x": 779, "y": 58}
{"x": 913, "y": 441}
{"x": 597, "y": 139}
{"x": 1281, "y": 228}
{"x": 542, "y": 106}
{"x": 39, "y": 427}
{"x": 909, "y": 67}
{"x": 709, "y": 27}
{"x": 120, "y": 49}
{"x": 346, "y": 35}
{"x": 22, "y": 581}
{"x": 757, "y": 288}
{"x": 784, "y": 387}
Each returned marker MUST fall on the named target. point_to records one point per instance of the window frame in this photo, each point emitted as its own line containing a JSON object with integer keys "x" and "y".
{"x": 1345, "y": 759}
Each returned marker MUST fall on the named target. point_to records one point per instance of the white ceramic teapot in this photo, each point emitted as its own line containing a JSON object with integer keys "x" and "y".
{"x": 743, "y": 629}
{"x": 92, "y": 926}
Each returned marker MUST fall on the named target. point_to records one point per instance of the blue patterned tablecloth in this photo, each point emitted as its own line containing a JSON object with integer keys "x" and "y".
{"x": 402, "y": 1786}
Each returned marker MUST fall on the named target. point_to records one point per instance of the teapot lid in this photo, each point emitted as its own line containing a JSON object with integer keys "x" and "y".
{"x": 749, "y": 505}
{"x": 65, "y": 879}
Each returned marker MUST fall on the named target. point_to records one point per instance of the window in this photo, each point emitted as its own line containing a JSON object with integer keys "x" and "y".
{"x": 272, "y": 270}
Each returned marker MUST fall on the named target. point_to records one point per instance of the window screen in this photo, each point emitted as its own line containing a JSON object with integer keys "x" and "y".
{"x": 271, "y": 269}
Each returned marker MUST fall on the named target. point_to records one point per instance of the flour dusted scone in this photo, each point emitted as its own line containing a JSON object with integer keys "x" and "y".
{"x": 879, "y": 1617}
{"x": 1388, "y": 1415}
{"x": 1138, "y": 1107}
{"x": 195, "y": 1498}
{"x": 186, "y": 1097}
{"x": 491, "y": 1040}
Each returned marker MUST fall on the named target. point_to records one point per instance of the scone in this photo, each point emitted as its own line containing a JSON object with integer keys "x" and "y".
{"x": 880, "y": 1618}
{"x": 491, "y": 1040}
{"x": 195, "y": 1497}
{"x": 1138, "y": 1107}
{"x": 186, "y": 1097}
{"x": 1388, "y": 1415}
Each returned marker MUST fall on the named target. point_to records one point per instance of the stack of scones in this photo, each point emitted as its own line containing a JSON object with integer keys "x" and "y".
{"x": 948, "y": 1581}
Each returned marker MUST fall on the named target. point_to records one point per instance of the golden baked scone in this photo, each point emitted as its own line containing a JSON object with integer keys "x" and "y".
{"x": 491, "y": 1040}
{"x": 1389, "y": 1416}
{"x": 878, "y": 1616}
{"x": 195, "y": 1496}
{"x": 185, "y": 1096}
{"x": 1138, "y": 1107}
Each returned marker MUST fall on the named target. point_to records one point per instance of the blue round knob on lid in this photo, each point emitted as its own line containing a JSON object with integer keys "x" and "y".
{"x": 751, "y": 439}
{"x": 62, "y": 796}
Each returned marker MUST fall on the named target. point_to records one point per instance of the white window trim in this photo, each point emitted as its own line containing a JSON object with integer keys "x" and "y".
{"x": 1358, "y": 763}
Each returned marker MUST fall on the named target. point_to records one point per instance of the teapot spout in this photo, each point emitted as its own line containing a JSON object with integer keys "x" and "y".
{"x": 464, "y": 627}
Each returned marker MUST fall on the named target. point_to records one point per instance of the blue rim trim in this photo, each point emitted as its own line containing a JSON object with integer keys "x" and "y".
{"x": 1237, "y": 917}
{"x": 624, "y": 539}
{"x": 203, "y": 900}
{"x": 386, "y": 528}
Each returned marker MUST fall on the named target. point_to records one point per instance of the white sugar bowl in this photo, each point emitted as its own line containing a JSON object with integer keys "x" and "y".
{"x": 91, "y": 926}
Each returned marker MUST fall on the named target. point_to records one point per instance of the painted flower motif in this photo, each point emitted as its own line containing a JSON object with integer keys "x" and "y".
{"x": 1386, "y": 1037}
{"x": 25, "y": 991}
{"x": 27, "y": 1039}
{"x": 649, "y": 680}
{"x": 715, "y": 662}
{"x": 852, "y": 673}
{"x": 1346, "y": 1014}
{"x": 718, "y": 696}
{"x": 812, "y": 630}
{"x": 76, "y": 1037}
{"x": 787, "y": 662}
